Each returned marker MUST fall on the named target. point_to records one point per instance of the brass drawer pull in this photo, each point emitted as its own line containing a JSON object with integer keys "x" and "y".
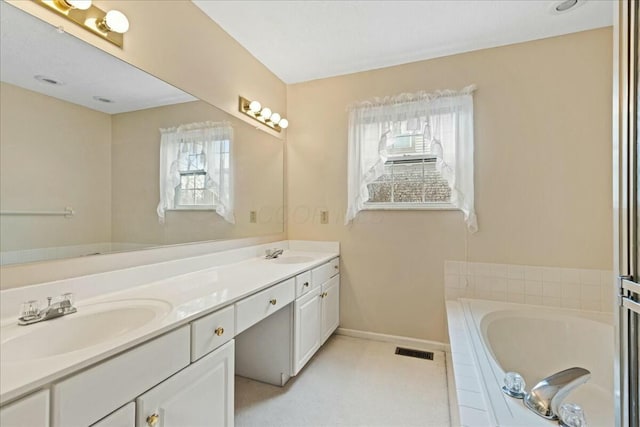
{"x": 335, "y": 266}
{"x": 152, "y": 420}
{"x": 273, "y": 301}
{"x": 219, "y": 331}
{"x": 324, "y": 294}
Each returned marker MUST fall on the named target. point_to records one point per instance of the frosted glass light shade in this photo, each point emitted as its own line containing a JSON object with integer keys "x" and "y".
{"x": 79, "y": 4}
{"x": 284, "y": 123}
{"x": 116, "y": 21}
{"x": 266, "y": 113}
{"x": 255, "y": 106}
{"x": 275, "y": 118}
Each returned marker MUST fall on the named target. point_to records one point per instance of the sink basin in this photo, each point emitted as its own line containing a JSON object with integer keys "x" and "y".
{"x": 292, "y": 259}
{"x": 91, "y": 325}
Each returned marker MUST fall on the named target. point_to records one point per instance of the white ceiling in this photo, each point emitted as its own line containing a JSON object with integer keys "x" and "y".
{"x": 306, "y": 40}
{"x": 30, "y": 47}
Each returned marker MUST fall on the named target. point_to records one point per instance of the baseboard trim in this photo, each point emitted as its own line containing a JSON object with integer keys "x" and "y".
{"x": 396, "y": 339}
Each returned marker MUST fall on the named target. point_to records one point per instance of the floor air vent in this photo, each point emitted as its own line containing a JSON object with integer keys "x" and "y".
{"x": 414, "y": 353}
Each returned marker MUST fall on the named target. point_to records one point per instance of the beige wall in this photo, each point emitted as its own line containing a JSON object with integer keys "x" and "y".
{"x": 542, "y": 176}
{"x": 176, "y": 42}
{"x": 258, "y": 183}
{"x": 53, "y": 154}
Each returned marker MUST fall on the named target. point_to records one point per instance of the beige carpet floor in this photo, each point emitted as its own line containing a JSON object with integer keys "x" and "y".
{"x": 350, "y": 382}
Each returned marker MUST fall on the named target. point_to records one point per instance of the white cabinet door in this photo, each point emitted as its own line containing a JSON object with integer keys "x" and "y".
{"x": 200, "y": 395}
{"x": 123, "y": 417}
{"x": 307, "y": 316}
{"x": 31, "y": 411}
{"x": 330, "y": 307}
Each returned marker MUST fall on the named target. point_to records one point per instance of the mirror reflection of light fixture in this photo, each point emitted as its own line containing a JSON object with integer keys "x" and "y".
{"x": 109, "y": 25}
{"x": 264, "y": 115}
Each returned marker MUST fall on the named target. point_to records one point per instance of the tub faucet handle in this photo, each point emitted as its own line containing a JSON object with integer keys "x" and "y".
{"x": 514, "y": 385}
{"x": 572, "y": 415}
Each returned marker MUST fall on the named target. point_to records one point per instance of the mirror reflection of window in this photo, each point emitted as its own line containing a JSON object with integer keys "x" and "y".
{"x": 195, "y": 169}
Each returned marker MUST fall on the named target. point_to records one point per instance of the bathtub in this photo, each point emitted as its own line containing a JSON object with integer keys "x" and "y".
{"x": 490, "y": 338}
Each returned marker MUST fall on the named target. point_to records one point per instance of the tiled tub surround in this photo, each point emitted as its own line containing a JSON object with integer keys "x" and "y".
{"x": 572, "y": 288}
{"x": 212, "y": 282}
{"x": 488, "y": 338}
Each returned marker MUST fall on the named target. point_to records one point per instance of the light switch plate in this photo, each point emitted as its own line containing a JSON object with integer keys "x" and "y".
{"x": 324, "y": 217}
{"x": 253, "y": 216}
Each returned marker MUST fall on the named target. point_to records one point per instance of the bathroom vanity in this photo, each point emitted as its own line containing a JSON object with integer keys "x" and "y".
{"x": 247, "y": 315}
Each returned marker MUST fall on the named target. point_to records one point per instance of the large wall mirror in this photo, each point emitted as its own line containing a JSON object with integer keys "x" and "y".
{"x": 80, "y": 153}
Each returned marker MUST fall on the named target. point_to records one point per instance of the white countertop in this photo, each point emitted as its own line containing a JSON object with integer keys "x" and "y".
{"x": 190, "y": 296}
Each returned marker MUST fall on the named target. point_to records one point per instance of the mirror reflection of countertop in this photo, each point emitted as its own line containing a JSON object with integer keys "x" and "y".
{"x": 109, "y": 323}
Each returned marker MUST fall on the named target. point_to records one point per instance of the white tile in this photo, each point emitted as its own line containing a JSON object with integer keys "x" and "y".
{"x": 482, "y": 294}
{"x": 465, "y": 382}
{"x": 550, "y": 274}
{"x": 533, "y": 288}
{"x": 451, "y": 281}
{"x": 572, "y": 303}
{"x": 588, "y": 292}
{"x": 607, "y": 278}
{"x": 571, "y": 290}
{"x": 515, "y": 286}
{"x": 590, "y": 277}
{"x": 571, "y": 275}
{"x": 552, "y": 289}
{"x": 498, "y": 296}
{"x": 591, "y": 305}
{"x": 470, "y": 417}
{"x": 499, "y": 285}
{"x": 517, "y": 298}
{"x": 469, "y": 293}
{"x": 452, "y": 294}
{"x": 451, "y": 267}
{"x": 515, "y": 272}
{"x": 499, "y": 270}
{"x": 552, "y": 301}
{"x": 471, "y": 399}
{"x": 533, "y": 273}
{"x": 482, "y": 269}
{"x": 484, "y": 284}
{"x": 462, "y": 359}
{"x": 533, "y": 299}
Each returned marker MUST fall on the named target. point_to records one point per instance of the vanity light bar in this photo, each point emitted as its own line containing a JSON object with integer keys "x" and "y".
{"x": 110, "y": 25}
{"x": 264, "y": 115}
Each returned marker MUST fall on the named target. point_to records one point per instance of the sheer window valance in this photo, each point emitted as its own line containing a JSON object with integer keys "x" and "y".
{"x": 196, "y": 168}
{"x": 419, "y": 131}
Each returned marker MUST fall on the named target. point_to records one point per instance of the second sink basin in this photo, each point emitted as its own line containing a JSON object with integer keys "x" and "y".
{"x": 91, "y": 325}
{"x": 292, "y": 259}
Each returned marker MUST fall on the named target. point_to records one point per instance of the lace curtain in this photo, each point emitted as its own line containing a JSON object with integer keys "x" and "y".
{"x": 446, "y": 120}
{"x": 216, "y": 141}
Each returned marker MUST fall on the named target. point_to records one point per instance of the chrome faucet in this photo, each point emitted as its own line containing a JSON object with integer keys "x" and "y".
{"x": 546, "y": 397}
{"x": 31, "y": 313}
{"x": 273, "y": 253}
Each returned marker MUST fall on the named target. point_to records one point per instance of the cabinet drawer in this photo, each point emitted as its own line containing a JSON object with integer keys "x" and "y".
{"x": 211, "y": 332}
{"x": 253, "y": 309}
{"x": 32, "y": 411}
{"x": 90, "y": 395}
{"x": 321, "y": 274}
{"x": 303, "y": 283}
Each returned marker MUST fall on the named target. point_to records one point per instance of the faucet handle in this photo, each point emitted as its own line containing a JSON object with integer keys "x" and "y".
{"x": 30, "y": 309}
{"x": 68, "y": 299}
{"x": 572, "y": 415}
{"x": 514, "y": 385}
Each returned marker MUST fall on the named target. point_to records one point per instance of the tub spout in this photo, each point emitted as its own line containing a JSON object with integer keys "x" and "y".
{"x": 546, "y": 397}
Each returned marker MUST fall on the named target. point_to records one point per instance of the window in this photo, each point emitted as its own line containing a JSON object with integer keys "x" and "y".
{"x": 195, "y": 169}
{"x": 414, "y": 151}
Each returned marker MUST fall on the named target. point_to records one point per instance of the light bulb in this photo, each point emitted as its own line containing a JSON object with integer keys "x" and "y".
{"x": 255, "y": 106}
{"x": 116, "y": 21}
{"x": 284, "y": 123}
{"x": 275, "y": 118}
{"x": 79, "y": 4}
{"x": 266, "y": 113}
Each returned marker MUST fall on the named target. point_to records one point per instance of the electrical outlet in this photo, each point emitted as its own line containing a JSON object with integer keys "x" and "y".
{"x": 324, "y": 217}
{"x": 253, "y": 216}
